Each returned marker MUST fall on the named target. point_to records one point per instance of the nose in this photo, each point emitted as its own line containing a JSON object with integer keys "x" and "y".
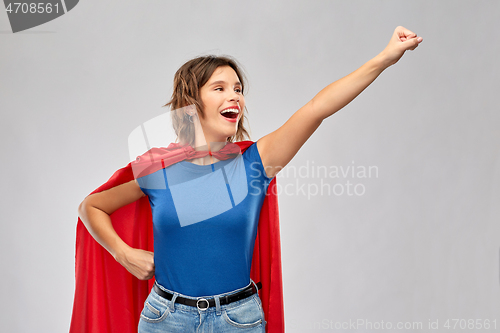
{"x": 234, "y": 97}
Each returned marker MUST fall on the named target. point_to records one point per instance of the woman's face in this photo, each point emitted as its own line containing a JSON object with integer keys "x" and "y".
{"x": 222, "y": 92}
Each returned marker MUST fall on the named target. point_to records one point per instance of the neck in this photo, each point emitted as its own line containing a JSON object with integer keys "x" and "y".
{"x": 215, "y": 146}
{"x": 204, "y": 143}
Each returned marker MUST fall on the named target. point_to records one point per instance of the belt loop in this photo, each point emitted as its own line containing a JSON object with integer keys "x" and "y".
{"x": 172, "y": 302}
{"x": 217, "y": 305}
{"x": 255, "y": 285}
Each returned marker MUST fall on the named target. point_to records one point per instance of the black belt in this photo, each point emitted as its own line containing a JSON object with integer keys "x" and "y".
{"x": 203, "y": 304}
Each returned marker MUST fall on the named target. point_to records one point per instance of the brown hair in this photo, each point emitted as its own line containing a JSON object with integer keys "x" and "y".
{"x": 188, "y": 80}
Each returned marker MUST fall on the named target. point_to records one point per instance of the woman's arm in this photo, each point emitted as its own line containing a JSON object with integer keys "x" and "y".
{"x": 94, "y": 212}
{"x": 279, "y": 147}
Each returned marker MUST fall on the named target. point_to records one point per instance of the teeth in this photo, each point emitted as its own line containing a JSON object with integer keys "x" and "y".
{"x": 230, "y": 110}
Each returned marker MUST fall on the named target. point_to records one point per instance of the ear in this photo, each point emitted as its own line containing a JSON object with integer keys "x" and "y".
{"x": 190, "y": 110}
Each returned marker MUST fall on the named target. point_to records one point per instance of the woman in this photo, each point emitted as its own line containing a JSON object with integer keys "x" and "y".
{"x": 193, "y": 278}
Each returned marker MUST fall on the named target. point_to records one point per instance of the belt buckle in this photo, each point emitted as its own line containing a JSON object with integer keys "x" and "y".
{"x": 198, "y": 304}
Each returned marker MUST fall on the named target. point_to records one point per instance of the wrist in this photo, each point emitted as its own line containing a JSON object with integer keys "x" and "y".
{"x": 120, "y": 251}
{"x": 381, "y": 61}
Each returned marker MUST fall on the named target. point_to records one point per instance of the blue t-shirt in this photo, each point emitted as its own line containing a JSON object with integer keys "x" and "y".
{"x": 205, "y": 221}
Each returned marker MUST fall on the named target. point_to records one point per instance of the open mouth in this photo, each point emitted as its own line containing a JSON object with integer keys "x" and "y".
{"x": 230, "y": 113}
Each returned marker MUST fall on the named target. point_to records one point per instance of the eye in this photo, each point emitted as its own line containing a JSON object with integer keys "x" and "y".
{"x": 218, "y": 88}
{"x": 238, "y": 90}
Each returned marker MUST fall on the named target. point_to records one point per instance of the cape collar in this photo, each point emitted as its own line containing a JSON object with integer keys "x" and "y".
{"x": 159, "y": 158}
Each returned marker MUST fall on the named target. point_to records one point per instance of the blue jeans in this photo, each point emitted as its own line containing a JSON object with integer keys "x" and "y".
{"x": 162, "y": 315}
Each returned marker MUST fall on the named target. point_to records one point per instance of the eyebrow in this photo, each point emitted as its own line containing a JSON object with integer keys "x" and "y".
{"x": 238, "y": 83}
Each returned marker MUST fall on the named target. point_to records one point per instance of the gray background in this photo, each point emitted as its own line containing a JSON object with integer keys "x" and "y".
{"x": 422, "y": 243}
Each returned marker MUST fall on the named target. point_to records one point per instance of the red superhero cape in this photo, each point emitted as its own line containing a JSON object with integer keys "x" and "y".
{"x": 110, "y": 299}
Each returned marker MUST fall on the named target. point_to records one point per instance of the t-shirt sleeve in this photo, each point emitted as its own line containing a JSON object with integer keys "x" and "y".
{"x": 141, "y": 181}
{"x": 253, "y": 157}
{"x": 153, "y": 181}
